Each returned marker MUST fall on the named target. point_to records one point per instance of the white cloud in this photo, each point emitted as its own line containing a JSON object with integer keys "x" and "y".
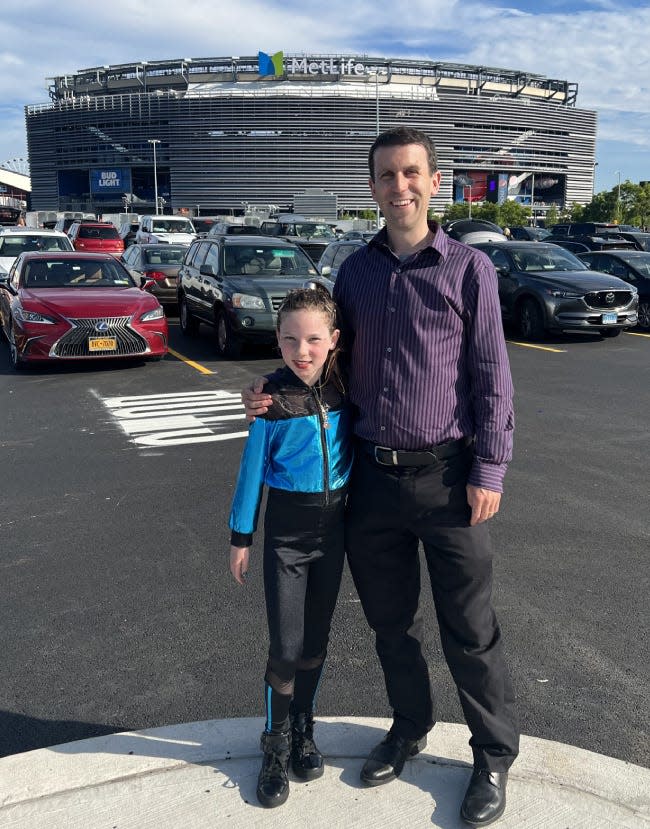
{"x": 603, "y": 50}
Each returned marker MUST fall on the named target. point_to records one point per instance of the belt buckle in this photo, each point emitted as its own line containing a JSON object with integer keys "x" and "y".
{"x": 393, "y": 453}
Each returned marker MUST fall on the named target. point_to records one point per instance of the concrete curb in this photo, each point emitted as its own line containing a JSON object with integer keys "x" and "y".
{"x": 204, "y": 774}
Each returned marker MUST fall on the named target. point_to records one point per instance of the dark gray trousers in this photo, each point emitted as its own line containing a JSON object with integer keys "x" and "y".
{"x": 391, "y": 509}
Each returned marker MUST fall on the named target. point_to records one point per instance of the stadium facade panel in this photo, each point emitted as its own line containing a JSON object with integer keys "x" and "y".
{"x": 233, "y": 133}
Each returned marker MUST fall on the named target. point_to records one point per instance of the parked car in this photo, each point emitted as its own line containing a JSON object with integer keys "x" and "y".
{"x": 237, "y": 284}
{"x": 594, "y": 235}
{"x": 567, "y": 244}
{"x": 545, "y": 288}
{"x": 336, "y": 253}
{"x": 312, "y": 236}
{"x": 473, "y": 230}
{"x": 128, "y": 231}
{"x": 529, "y": 234}
{"x": 641, "y": 240}
{"x": 159, "y": 263}
{"x": 631, "y": 266}
{"x": 365, "y": 235}
{"x": 78, "y": 306}
{"x": 17, "y": 240}
{"x": 173, "y": 230}
{"x": 96, "y": 237}
{"x": 203, "y": 225}
{"x": 230, "y": 229}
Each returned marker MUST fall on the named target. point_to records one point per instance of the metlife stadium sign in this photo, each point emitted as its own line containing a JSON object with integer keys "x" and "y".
{"x": 108, "y": 182}
{"x": 275, "y": 65}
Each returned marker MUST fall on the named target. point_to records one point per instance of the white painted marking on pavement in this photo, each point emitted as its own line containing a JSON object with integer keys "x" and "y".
{"x": 175, "y": 419}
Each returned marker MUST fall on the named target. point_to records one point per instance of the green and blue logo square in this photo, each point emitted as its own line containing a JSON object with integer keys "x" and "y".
{"x": 270, "y": 64}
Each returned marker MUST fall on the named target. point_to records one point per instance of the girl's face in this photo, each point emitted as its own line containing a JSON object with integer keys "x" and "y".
{"x": 305, "y": 342}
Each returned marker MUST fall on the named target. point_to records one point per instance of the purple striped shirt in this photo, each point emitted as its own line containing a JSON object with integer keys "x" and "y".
{"x": 428, "y": 355}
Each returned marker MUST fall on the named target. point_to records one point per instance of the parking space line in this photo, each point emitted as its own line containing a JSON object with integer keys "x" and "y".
{"x": 189, "y": 362}
{"x": 634, "y": 334}
{"x": 539, "y": 347}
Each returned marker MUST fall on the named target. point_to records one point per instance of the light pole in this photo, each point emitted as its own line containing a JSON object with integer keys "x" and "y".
{"x": 618, "y": 197}
{"x": 470, "y": 198}
{"x": 376, "y": 74}
{"x": 155, "y": 141}
{"x": 532, "y": 199}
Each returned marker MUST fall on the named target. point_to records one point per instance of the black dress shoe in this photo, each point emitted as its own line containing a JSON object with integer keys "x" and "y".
{"x": 485, "y": 799}
{"x": 273, "y": 781}
{"x": 386, "y": 760}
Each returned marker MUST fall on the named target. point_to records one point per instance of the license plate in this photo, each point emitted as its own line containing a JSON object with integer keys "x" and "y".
{"x": 102, "y": 344}
{"x": 610, "y": 318}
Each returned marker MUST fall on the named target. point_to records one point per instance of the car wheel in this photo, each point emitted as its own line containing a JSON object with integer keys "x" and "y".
{"x": 16, "y": 361}
{"x": 644, "y": 314}
{"x": 610, "y": 332}
{"x": 189, "y": 323}
{"x": 531, "y": 322}
{"x": 228, "y": 344}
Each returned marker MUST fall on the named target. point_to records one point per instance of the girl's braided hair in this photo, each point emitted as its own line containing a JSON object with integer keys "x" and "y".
{"x": 317, "y": 298}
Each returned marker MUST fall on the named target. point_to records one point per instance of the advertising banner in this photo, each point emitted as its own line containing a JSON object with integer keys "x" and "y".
{"x": 110, "y": 181}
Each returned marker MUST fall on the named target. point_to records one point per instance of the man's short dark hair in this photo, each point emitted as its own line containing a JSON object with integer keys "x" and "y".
{"x": 399, "y": 137}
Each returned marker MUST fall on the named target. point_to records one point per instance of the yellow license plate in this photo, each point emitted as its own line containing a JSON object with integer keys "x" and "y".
{"x": 102, "y": 343}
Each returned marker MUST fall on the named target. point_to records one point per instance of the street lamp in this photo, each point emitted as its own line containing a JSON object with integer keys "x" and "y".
{"x": 155, "y": 141}
{"x": 376, "y": 76}
{"x": 532, "y": 198}
{"x": 618, "y": 197}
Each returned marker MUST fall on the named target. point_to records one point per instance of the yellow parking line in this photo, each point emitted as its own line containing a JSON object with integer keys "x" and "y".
{"x": 189, "y": 362}
{"x": 539, "y": 347}
{"x": 634, "y": 334}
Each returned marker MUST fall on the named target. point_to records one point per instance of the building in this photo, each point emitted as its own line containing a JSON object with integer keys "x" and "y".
{"x": 15, "y": 191}
{"x": 231, "y": 133}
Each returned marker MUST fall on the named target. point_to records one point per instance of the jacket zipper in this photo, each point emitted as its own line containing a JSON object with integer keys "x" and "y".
{"x": 323, "y": 443}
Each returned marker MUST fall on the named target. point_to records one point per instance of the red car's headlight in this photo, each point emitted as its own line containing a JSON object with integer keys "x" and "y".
{"x": 154, "y": 314}
{"x": 22, "y": 315}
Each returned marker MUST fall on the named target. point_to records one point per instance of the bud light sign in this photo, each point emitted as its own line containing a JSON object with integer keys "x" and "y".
{"x": 111, "y": 182}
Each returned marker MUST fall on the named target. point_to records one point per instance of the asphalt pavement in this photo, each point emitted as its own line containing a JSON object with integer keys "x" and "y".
{"x": 118, "y": 612}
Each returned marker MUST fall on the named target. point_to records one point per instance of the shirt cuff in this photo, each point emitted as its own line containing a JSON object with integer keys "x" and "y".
{"x": 241, "y": 539}
{"x": 487, "y": 475}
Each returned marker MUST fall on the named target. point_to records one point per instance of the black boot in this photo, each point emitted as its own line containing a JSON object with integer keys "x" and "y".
{"x": 273, "y": 783}
{"x": 306, "y": 759}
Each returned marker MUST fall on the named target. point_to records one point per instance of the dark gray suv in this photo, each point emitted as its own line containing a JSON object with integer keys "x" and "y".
{"x": 237, "y": 284}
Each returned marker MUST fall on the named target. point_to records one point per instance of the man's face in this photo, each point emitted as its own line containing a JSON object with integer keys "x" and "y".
{"x": 403, "y": 186}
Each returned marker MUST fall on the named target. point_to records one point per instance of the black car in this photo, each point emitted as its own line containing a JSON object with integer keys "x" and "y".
{"x": 237, "y": 284}
{"x": 459, "y": 228}
{"x": 336, "y": 253}
{"x": 158, "y": 262}
{"x": 593, "y": 235}
{"x": 128, "y": 232}
{"x": 528, "y": 234}
{"x": 632, "y": 266}
{"x": 543, "y": 287}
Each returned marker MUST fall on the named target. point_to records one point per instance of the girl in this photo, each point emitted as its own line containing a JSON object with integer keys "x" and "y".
{"x": 301, "y": 449}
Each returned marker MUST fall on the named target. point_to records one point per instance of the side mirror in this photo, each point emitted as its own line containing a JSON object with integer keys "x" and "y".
{"x": 503, "y": 270}
{"x": 206, "y": 270}
{"x": 148, "y": 285}
{"x": 326, "y": 270}
{"x": 4, "y": 280}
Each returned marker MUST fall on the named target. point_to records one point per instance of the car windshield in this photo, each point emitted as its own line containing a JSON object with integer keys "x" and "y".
{"x": 69, "y": 273}
{"x": 172, "y": 226}
{"x": 90, "y": 232}
{"x": 15, "y": 245}
{"x": 165, "y": 255}
{"x": 306, "y": 229}
{"x": 255, "y": 260}
{"x": 639, "y": 261}
{"x": 545, "y": 258}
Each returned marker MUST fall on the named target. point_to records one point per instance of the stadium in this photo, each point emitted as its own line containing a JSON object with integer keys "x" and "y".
{"x": 237, "y": 134}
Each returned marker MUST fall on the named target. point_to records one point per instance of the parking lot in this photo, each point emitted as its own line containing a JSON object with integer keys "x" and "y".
{"x": 119, "y": 611}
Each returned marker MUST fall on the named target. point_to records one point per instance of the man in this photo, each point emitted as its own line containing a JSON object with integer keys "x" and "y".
{"x": 430, "y": 380}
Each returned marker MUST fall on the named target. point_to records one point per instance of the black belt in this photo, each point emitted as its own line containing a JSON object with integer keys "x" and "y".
{"x": 424, "y": 457}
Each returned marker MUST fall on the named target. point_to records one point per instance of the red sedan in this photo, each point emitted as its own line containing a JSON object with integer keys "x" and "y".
{"x": 78, "y": 306}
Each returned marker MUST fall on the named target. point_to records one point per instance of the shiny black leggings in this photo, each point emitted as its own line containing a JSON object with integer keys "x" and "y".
{"x": 303, "y": 562}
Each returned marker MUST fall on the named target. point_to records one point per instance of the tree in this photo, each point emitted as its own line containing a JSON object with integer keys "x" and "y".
{"x": 552, "y": 216}
{"x": 513, "y": 214}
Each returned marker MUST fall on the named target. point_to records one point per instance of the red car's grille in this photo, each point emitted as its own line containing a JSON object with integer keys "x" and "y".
{"x": 75, "y": 342}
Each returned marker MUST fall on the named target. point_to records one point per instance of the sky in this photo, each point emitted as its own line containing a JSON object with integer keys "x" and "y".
{"x": 597, "y": 44}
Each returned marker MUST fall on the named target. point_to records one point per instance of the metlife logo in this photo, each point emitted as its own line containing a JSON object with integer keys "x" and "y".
{"x": 274, "y": 65}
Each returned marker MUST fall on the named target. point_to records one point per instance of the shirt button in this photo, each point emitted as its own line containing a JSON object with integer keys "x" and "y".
{"x": 385, "y": 388}
{"x": 382, "y": 428}
{"x": 389, "y": 349}
{"x": 392, "y": 310}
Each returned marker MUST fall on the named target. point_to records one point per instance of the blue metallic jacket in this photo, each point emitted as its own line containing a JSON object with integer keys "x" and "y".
{"x": 302, "y": 444}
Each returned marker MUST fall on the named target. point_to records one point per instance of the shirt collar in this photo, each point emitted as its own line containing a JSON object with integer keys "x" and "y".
{"x": 439, "y": 243}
